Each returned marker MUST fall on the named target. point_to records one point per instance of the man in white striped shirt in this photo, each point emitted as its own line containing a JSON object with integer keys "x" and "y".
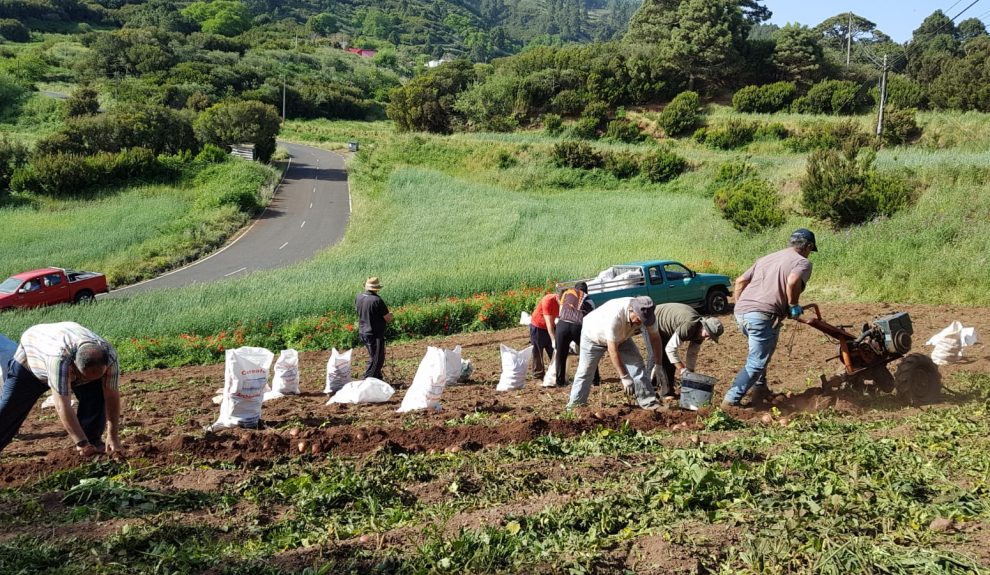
{"x": 65, "y": 357}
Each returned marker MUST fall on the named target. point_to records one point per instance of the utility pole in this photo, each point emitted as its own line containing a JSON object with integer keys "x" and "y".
{"x": 883, "y": 96}
{"x": 283, "y": 98}
{"x": 849, "y": 38}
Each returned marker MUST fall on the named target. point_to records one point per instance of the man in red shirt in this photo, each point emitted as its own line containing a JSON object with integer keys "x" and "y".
{"x": 542, "y": 332}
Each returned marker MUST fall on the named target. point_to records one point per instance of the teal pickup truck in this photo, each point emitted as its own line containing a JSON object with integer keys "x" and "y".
{"x": 665, "y": 281}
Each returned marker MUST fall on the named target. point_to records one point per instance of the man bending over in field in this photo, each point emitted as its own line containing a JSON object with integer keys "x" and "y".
{"x": 62, "y": 357}
{"x": 610, "y": 329}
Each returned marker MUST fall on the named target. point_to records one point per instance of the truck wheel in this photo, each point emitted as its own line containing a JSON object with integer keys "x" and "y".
{"x": 84, "y": 296}
{"x": 717, "y": 301}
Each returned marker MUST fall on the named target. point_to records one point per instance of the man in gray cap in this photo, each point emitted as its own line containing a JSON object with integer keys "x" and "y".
{"x": 65, "y": 357}
{"x": 767, "y": 293}
{"x": 679, "y": 323}
{"x": 610, "y": 329}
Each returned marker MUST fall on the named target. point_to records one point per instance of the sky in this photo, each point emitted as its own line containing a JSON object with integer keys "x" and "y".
{"x": 896, "y": 18}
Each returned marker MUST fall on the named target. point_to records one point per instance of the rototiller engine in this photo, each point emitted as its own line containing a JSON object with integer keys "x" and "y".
{"x": 865, "y": 357}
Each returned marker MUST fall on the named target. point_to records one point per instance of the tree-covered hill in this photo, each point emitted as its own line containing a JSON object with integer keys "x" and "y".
{"x": 475, "y": 29}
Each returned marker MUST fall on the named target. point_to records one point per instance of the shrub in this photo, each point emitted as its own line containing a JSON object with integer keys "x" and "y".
{"x": 731, "y": 135}
{"x": 82, "y": 102}
{"x": 68, "y": 174}
{"x": 828, "y": 136}
{"x": 14, "y": 30}
{"x": 771, "y": 131}
{"x": 700, "y": 135}
{"x": 249, "y": 121}
{"x": 212, "y": 154}
{"x": 899, "y": 126}
{"x": 553, "y": 124}
{"x": 623, "y": 131}
{"x": 891, "y": 193}
{"x": 731, "y": 172}
{"x": 902, "y": 92}
{"x": 572, "y": 154}
{"x": 844, "y": 189}
{"x": 13, "y": 154}
{"x": 746, "y": 99}
{"x": 585, "y": 128}
{"x": 764, "y": 99}
{"x": 840, "y": 97}
{"x": 662, "y": 165}
{"x": 751, "y": 205}
{"x": 597, "y": 111}
{"x": 12, "y": 94}
{"x": 505, "y": 160}
{"x": 681, "y": 114}
{"x": 568, "y": 102}
{"x": 160, "y": 129}
{"x": 734, "y": 171}
{"x": 622, "y": 165}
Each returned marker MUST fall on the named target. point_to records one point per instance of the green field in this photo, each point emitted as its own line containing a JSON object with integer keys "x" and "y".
{"x": 436, "y": 216}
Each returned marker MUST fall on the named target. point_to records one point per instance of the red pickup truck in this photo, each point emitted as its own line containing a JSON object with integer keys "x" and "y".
{"x": 50, "y": 286}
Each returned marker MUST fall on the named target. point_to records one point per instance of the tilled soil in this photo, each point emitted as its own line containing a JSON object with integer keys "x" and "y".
{"x": 165, "y": 410}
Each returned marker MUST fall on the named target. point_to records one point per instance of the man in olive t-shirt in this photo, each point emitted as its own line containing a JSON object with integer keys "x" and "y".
{"x": 767, "y": 293}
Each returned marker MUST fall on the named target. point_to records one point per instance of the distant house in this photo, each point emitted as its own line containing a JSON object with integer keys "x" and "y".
{"x": 435, "y": 63}
{"x": 363, "y": 52}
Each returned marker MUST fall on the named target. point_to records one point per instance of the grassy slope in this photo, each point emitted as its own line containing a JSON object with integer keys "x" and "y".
{"x": 131, "y": 232}
{"x": 436, "y": 216}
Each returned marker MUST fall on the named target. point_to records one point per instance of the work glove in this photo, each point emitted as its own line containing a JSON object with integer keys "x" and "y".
{"x": 627, "y": 385}
{"x": 796, "y": 311}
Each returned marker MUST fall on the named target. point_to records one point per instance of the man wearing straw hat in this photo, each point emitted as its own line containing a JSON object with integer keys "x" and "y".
{"x": 65, "y": 357}
{"x": 373, "y": 314}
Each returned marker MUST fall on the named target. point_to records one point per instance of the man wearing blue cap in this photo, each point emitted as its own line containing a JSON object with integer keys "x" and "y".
{"x": 766, "y": 294}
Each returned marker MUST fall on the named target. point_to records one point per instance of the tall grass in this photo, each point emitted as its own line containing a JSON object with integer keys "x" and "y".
{"x": 437, "y": 216}
{"x": 128, "y": 233}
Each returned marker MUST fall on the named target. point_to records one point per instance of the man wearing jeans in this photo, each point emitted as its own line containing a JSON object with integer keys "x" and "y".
{"x": 610, "y": 329}
{"x": 65, "y": 357}
{"x": 767, "y": 293}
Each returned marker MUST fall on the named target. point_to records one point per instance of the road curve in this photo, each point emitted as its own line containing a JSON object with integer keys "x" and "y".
{"x": 308, "y": 213}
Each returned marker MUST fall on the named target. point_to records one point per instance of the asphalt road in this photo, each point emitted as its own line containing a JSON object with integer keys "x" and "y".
{"x": 308, "y": 213}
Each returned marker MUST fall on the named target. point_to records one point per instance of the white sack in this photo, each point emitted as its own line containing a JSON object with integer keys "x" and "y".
{"x": 371, "y": 390}
{"x": 550, "y": 377}
{"x": 338, "y": 370}
{"x": 286, "y": 378}
{"x": 466, "y": 370}
{"x": 7, "y": 349}
{"x": 428, "y": 384}
{"x": 524, "y": 318}
{"x": 452, "y": 365}
{"x": 244, "y": 379}
{"x": 949, "y": 343}
{"x": 514, "y": 366}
